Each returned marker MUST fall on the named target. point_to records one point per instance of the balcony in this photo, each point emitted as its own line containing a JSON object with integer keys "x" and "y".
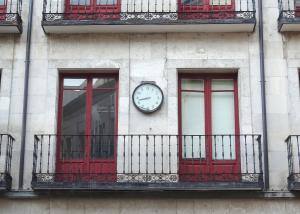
{"x": 10, "y": 16}
{"x": 147, "y": 162}
{"x": 289, "y": 15}
{"x": 141, "y": 16}
{"x": 293, "y": 149}
{"x": 6, "y": 144}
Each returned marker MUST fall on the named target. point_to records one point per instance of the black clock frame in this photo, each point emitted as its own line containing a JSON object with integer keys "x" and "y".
{"x": 158, "y": 107}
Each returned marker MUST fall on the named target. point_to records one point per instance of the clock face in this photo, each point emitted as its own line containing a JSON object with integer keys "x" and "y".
{"x": 147, "y": 97}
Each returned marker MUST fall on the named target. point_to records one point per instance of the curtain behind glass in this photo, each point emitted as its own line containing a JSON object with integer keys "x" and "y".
{"x": 223, "y": 119}
{"x": 193, "y": 119}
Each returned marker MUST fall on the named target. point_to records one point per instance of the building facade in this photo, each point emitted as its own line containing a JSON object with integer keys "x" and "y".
{"x": 163, "y": 106}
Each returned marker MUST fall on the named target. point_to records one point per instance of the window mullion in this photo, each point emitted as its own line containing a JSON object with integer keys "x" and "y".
{"x": 89, "y": 103}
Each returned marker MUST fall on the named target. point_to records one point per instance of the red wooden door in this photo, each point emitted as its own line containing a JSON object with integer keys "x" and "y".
{"x": 87, "y": 125}
{"x": 3, "y": 7}
{"x": 93, "y": 9}
{"x": 206, "y": 9}
{"x": 208, "y": 123}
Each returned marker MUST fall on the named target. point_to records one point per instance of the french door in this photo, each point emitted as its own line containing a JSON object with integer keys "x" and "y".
{"x": 87, "y": 125}
{"x": 92, "y": 9}
{"x": 194, "y": 9}
{"x": 209, "y": 125}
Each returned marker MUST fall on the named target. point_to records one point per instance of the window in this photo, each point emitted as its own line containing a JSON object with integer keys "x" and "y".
{"x": 208, "y": 107}
{"x": 192, "y": 9}
{"x": 87, "y": 124}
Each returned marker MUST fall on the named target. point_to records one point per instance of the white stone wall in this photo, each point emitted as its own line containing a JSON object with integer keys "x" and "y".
{"x": 154, "y": 57}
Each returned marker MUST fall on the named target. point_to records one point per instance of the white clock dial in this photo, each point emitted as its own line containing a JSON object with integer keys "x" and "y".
{"x": 148, "y": 97}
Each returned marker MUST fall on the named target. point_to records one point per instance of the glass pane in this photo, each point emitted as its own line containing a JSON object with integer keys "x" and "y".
{"x": 223, "y": 122}
{"x": 103, "y": 123}
{"x": 226, "y": 84}
{"x": 73, "y": 123}
{"x": 220, "y": 2}
{"x": 75, "y": 83}
{"x": 192, "y": 84}
{"x": 104, "y": 83}
{"x": 73, "y": 147}
{"x": 1, "y": 2}
{"x": 193, "y": 124}
{"x": 192, "y": 2}
{"x": 106, "y": 2}
{"x": 80, "y": 2}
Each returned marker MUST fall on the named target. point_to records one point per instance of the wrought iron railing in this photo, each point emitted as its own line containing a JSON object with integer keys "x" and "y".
{"x": 289, "y": 9}
{"x": 6, "y": 145}
{"x": 10, "y": 11}
{"x": 139, "y": 11}
{"x": 143, "y": 161}
{"x": 293, "y": 150}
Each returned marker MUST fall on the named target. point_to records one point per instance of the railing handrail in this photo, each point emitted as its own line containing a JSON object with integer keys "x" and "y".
{"x": 158, "y": 139}
{"x": 13, "y": 7}
{"x": 290, "y": 136}
{"x": 189, "y": 135}
{"x": 293, "y": 155}
{"x": 167, "y": 6}
{"x": 286, "y": 5}
{"x": 9, "y": 135}
{"x": 8, "y": 141}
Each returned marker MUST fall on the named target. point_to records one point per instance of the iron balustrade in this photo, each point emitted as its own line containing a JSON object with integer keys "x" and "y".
{"x": 10, "y": 11}
{"x": 146, "y": 11}
{"x": 289, "y": 13}
{"x": 6, "y": 146}
{"x": 143, "y": 162}
{"x": 289, "y": 8}
{"x": 293, "y": 151}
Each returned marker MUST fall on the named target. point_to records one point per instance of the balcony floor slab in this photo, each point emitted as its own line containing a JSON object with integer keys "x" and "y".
{"x": 144, "y": 26}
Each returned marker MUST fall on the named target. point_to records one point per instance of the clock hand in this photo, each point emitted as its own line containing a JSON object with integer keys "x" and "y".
{"x": 145, "y": 98}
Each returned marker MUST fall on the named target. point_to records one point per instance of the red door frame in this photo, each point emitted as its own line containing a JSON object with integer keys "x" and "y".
{"x": 206, "y": 10}
{"x": 106, "y": 166}
{"x": 208, "y": 165}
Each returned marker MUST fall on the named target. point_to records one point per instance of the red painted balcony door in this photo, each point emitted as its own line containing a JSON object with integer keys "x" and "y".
{"x": 208, "y": 109}
{"x": 87, "y": 123}
{"x": 92, "y": 9}
{"x": 205, "y": 9}
{"x": 3, "y": 6}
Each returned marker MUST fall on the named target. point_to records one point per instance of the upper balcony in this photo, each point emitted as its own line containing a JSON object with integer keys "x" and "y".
{"x": 293, "y": 149}
{"x": 6, "y": 144}
{"x": 289, "y": 15}
{"x": 10, "y": 16}
{"x": 147, "y": 162}
{"x": 110, "y": 16}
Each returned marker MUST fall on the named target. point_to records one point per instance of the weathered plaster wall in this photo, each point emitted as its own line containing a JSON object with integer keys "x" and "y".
{"x": 132, "y": 206}
{"x": 155, "y": 57}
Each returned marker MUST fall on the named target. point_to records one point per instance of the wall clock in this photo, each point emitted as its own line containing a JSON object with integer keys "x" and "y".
{"x": 147, "y": 97}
